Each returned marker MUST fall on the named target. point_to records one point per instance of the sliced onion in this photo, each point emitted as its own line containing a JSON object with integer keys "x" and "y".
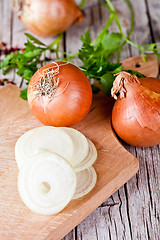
{"x": 86, "y": 181}
{"x": 41, "y": 139}
{"x": 81, "y": 146}
{"x": 90, "y": 158}
{"x": 46, "y": 183}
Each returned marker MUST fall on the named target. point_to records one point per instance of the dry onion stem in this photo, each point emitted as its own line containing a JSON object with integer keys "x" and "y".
{"x": 47, "y": 17}
{"x": 136, "y": 113}
{"x": 47, "y": 85}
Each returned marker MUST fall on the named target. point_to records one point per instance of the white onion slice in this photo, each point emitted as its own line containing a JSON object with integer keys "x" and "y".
{"x": 90, "y": 158}
{"x": 46, "y": 183}
{"x": 81, "y": 146}
{"x": 41, "y": 139}
{"x": 86, "y": 181}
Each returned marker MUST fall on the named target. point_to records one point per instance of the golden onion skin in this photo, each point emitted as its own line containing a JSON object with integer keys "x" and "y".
{"x": 71, "y": 100}
{"x": 136, "y": 117}
{"x": 49, "y": 17}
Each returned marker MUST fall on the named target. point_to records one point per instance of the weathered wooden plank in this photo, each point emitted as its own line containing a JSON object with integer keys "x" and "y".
{"x": 6, "y": 19}
{"x": 6, "y": 29}
{"x": 128, "y": 214}
{"x": 153, "y": 14}
{"x": 142, "y": 208}
{"x": 140, "y": 226}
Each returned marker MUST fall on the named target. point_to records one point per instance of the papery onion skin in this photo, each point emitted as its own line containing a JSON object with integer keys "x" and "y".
{"x": 71, "y": 101}
{"x": 136, "y": 117}
{"x": 49, "y": 17}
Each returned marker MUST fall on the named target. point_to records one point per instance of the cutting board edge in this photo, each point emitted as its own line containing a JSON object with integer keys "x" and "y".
{"x": 57, "y": 234}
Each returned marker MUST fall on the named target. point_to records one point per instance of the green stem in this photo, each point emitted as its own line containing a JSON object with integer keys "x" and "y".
{"x": 120, "y": 29}
{"x": 149, "y": 44}
{"x": 113, "y": 11}
{"x": 100, "y": 36}
{"x": 70, "y": 56}
{"x": 56, "y": 42}
{"x": 132, "y": 17}
{"x": 110, "y": 5}
{"x": 82, "y": 4}
{"x": 131, "y": 28}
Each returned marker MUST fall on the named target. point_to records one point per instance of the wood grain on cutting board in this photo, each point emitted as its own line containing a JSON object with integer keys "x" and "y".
{"x": 114, "y": 167}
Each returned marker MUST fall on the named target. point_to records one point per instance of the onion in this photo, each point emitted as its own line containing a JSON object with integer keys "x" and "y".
{"x": 46, "y": 183}
{"x": 43, "y": 139}
{"x": 89, "y": 159}
{"x": 136, "y": 113}
{"x": 80, "y": 144}
{"x": 47, "y": 158}
{"x": 86, "y": 180}
{"x": 59, "y": 94}
{"x": 47, "y": 17}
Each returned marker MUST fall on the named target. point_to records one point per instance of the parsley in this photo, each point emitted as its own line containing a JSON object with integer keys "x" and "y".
{"x": 95, "y": 55}
{"x": 95, "y": 58}
{"x": 27, "y": 61}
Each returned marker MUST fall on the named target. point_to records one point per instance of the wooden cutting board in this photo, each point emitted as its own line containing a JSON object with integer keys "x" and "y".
{"x": 114, "y": 166}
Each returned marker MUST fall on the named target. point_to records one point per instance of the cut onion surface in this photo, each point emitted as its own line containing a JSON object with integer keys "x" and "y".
{"x": 81, "y": 146}
{"x": 46, "y": 183}
{"x": 42, "y": 139}
{"x": 86, "y": 181}
{"x": 90, "y": 158}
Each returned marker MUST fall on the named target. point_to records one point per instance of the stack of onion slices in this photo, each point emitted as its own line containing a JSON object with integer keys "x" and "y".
{"x": 55, "y": 166}
{"x": 136, "y": 113}
{"x": 59, "y": 94}
{"x": 47, "y": 17}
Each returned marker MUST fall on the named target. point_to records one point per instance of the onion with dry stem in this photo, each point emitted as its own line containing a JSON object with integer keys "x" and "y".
{"x": 59, "y": 94}
{"x": 47, "y": 17}
{"x": 136, "y": 113}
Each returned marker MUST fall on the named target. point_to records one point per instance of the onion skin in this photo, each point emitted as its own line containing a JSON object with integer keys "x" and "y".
{"x": 151, "y": 83}
{"x": 49, "y": 17}
{"x": 136, "y": 116}
{"x": 71, "y": 101}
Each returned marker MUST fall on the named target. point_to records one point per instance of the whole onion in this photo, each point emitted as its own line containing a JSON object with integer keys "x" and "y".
{"x": 47, "y": 17}
{"x": 59, "y": 94}
{"x": 136, "y": 113}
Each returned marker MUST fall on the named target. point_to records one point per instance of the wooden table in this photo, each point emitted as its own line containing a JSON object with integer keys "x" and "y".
{"x": 133, "y": 211}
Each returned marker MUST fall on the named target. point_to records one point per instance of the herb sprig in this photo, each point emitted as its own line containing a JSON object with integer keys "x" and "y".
{"x": 95, "y": 55}
{"x": 28, "y": 60}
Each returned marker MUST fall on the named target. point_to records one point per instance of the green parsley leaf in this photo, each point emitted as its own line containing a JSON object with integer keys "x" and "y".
{"x": 23, "y": 94}
{"x": 33, "y": 39}
{"x": 107, "y": 82}
{"x": 6, "y": 64}
{"x": 87, "y": 37}
{"x": 112, "y": 41}
{"x": 32, "y": 54}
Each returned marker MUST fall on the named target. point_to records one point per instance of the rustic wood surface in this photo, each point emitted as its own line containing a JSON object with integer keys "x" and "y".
{"x": 133, "y": 211}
